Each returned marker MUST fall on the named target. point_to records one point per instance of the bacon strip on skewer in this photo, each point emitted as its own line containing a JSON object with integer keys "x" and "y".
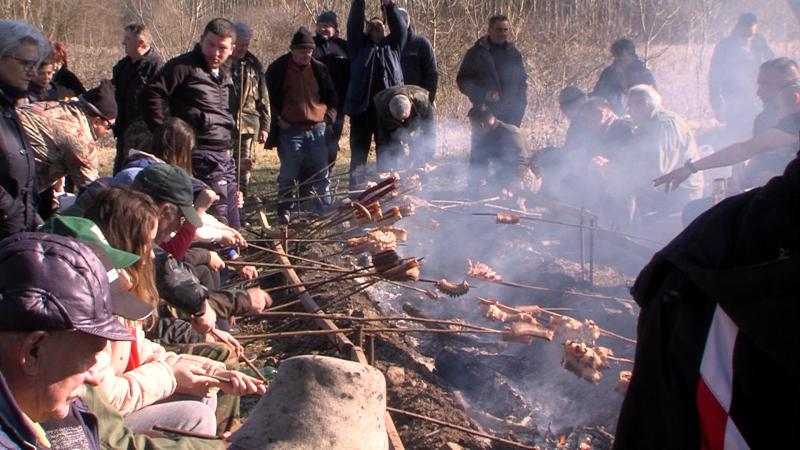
{"x": 507, "y": 218}
{"x": 584, "y": 361}
{"x": 482, "y": 271}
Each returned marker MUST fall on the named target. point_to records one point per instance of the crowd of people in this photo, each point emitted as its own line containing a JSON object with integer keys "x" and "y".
{"x": 127, "y": 276}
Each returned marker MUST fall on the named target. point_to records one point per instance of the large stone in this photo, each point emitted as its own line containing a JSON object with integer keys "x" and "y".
{"x": 318, "y": 402}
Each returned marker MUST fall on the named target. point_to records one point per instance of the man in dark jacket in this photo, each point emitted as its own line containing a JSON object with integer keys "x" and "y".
{"x": 405, "y": 115}
{"x": 21, "y": 49}
{"x": 419, "y": 60}
{"x": 714, "y": 364}
{"x": 250, "y": 93}
{"x": 498, "y": 143}
{"x": 625, "y": 72}
{"x": 333, "y": 51}
{"x": 732, "y": 75}
{"x": 303, "y": 101}
{"x": 492, "y": 73}
{"x": 375, "y": 66}
{"x": 196, "y": 86}
{"x": 130, "y": 74}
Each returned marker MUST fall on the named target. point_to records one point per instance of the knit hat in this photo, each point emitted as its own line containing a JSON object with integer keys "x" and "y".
{"x": 329, "y": 17}
{"x": 303, "y": 39}
{"x": 101, "y": 100}
{"x": 400, "y": 107}
{"x": 747, "y": 20}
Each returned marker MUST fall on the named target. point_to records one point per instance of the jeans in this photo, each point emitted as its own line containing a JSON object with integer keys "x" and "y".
{"x": 302, "y": 151}
{"x": 218, "y": 171}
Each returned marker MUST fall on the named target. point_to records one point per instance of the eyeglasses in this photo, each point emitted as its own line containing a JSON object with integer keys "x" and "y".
{"x": 27, "y": 64}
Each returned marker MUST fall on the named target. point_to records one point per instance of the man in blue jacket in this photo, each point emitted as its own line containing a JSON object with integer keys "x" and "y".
{"x": 374, "y": 66}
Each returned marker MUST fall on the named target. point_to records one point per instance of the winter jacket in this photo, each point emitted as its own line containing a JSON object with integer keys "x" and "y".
{"x": 615, "y": 81}
{"x": 177, "y": 285}
{"x": 276, "y": 73}
{"x": 255, "y": 113}
{"x": 193, "y": 94}
{"x": 129, "y": 77}
{"x": 419, "y": 63}
{"x": 41, "y": 94}
{"x": 18, "y": 197}
{"x": 478, "y": 74}
{"x": 364, "y": 55}
{"x": 63, "y": 142}
{"x": 421, "y": 118}
{"x": 67, "y": 84}
{"x": 335, "y": 54}
{"x": 16, "y": 432}
{"x": 732, "y": 74}
{"x": 734, "y": 269}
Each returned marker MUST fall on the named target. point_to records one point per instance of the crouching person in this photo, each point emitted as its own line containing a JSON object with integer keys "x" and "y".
{"x": 405, "y": 115}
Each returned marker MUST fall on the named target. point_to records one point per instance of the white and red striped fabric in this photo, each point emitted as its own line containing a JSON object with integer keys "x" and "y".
{"x": 715, "y": 387}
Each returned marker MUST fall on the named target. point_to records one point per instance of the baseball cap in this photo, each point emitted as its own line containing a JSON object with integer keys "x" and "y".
{"x": 167, "y": 183}
{"x": 53, "y": 282}
{"x": 123, "y": 302}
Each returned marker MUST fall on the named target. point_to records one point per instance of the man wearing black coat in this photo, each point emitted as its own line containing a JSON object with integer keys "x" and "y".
{"x": 196, "y": 86}
{"x": 493, "y": 73}
{"x": 333, "y": 51}
{"x": 130, "y": 74}
{"x": 625, "y": 72}
{"x": 715, "y": 365}
{"x": 303, "y": 103}
{"x": 419, "y": 60}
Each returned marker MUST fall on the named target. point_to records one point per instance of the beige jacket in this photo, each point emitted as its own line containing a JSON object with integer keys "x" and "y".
{"x": 152, "y": 381}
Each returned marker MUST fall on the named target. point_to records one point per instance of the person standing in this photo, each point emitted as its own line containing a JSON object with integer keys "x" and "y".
{"x": 493, "y": 73}
{"x": 250, "y": 93}
{"x": 67, "y": 84}
{"x": 130, "y": 74}
{"x": 625, "y": 72}
{"x": 196, "y": 87}
{"x": 375, "y": 66}
{"x": 732, "y": 75}
{"x": 419, "y": 60}
{"x": 21, "y": 49}
{"x": 333, "y": 51}
{"x": 303, "y": 101}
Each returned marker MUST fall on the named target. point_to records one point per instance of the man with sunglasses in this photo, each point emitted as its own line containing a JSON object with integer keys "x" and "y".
{"x": 64, "y": 138}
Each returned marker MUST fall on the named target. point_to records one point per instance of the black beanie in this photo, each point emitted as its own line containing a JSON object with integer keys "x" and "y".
{"x": 303, "y": 39}
{"x": 102, "y": 99}
{"x": 330, "y": 17}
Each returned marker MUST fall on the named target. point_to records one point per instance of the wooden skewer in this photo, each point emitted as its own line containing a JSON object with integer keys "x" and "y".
{"x": 254, "y": 369}
{"x": 299, "y": 258}
{"x": 460, "y": 428}
{"x": 292, "y": 334}
{"x": 373, "y": 319}
{"x": 283, "y": 266}
{"x": 620, "y": 360}
{"x": 187, "y": 433}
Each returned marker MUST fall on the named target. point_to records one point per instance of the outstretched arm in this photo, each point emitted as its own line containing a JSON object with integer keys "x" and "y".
{"x": 772, "y": 139}
{"x": 355, "y": 25}
{"x": 398, "y": 29}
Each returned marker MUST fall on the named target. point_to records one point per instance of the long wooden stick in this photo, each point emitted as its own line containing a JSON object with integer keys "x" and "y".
{"x": 301, "y": 333}
{"x": 299, "y": 258}
{"x": 284, "y": 266}
{"x": 187, "y": 433}
{"x": 372, "y": 319}
{"x": 460, "y": 428}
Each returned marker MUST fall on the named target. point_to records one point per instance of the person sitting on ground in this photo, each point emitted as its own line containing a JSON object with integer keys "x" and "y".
{"x": 663, "y": 140}
{"x": 782, "y": 135}
{"x": 497, "y": 143}
{"x": 405, "y": 115}
{"x": 129, "y": 220}
{"x": 625, "y": 72}
{"x": 47, "y": 354}
{"x": 64, "y": 137}
{"x": 40, "y": 89}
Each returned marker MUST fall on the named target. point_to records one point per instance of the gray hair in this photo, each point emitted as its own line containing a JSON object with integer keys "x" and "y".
{"x": 645, "y": 94}
{"x": 14, "y": 33}
{"x": 243, "y": 30}
{"x": 400, "y": 107}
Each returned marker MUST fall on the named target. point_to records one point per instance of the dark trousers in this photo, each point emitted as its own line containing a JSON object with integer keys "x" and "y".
{"x": 362, "y": 128}
{"x": 302, "y": 151}
{"x": 218, "y": 171}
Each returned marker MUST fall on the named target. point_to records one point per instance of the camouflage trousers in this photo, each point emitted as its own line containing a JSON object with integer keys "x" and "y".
{"x": 248, "y": 158}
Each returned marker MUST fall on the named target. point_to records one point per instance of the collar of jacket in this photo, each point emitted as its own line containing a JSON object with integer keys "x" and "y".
{"x": 484, "y": 42}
